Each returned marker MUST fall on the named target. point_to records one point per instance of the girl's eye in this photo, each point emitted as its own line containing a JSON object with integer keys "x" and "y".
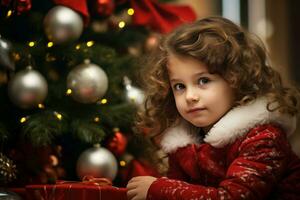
{"x": 178, "y": 86}
{"x": 203, "y": 81}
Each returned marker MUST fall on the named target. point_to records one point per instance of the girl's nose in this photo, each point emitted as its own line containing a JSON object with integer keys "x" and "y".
{"x": 192, "y": 96}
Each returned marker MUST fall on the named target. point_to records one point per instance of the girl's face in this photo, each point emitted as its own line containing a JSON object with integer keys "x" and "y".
{"x": 201, "y": 98}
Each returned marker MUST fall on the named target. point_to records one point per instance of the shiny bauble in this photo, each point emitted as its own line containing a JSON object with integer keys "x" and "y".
{"x": 152, "y": 42}
{"x": 63, "y": 25}
{"x": 88, "y": 82}
{"x": 8, "y": 195}
{"x": 6, "y": 61}
{"x": 97, "y": 162}
{"x": 117, "y": 144}
{"x": 133, "y": 94}
{"x": 27, "y": 88}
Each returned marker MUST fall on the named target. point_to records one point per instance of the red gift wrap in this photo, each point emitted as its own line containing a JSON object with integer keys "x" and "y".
{"x": 75, "y": 191}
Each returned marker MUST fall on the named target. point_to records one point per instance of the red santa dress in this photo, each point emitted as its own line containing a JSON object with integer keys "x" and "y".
{"x": 245, "y": 155}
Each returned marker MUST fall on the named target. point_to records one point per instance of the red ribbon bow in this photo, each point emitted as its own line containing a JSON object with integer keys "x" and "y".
{"x": 90, "y": 180}
{"x": 160, "y": 17}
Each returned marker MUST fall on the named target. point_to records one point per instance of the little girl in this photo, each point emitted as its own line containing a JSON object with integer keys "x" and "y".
{"x": 222, "y": 116}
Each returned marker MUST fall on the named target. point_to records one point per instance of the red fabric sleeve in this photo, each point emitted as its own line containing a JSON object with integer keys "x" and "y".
{"x": 183, "y": 164}
{"x": 175, "y": 171}
{"x": 260, "y": 162}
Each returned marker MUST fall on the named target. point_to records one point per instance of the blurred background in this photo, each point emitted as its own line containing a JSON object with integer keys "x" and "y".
{"x": 69, "y": 86}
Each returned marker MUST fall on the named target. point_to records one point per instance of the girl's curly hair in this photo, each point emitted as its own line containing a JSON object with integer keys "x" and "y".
{"x": 238, "y": 56}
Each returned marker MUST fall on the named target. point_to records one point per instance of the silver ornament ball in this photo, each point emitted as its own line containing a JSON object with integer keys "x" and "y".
{"x": 6, "y": 61}
{"x": 63, "y": 25}
{"x": 27, "y": 88}
{"x": 97, "y": 162}
{"x": 133, "y": 94}
{"x": 88, "y": 82}
{"x": 8, "y": 195}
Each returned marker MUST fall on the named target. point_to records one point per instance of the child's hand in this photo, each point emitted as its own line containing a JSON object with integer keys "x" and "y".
{"x": 138, "y": 187}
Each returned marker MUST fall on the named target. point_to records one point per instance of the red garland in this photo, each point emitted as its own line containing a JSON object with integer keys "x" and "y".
{"x": 160, "y": 17}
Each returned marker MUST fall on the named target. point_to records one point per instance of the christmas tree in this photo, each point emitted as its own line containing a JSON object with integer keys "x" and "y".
{"x": 68, "y": 81}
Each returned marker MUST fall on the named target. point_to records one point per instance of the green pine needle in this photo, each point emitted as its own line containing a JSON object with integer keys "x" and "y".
{"x": 42, "y": 128}
{"x": 87, "y": 131}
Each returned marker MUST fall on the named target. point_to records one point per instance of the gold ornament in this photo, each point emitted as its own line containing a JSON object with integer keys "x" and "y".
{"x": 7, "y": 169}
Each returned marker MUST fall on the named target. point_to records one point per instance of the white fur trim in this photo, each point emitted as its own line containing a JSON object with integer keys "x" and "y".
{"x": 236, "y": 123}
{"x": 178, "y": 136}
{"x": 240, "y": 120}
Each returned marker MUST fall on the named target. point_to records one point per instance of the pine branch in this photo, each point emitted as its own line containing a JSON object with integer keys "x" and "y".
{"x": 87, "y": 131}
{"x": 42, "y": 128}
{"x": 120, "y": 115}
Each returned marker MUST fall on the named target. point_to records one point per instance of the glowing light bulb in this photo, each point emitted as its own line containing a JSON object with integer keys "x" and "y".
{"x": 130, "y": 11}
{"x": 90, "y": 43}
{"x": 31, "y": 44}
{"x": 69, "y": 91}
{"x": 122, "y": 24}
{"x": 23, "y": 120}
{"x": 103, "y": 101}
{"x": 58, "y": 115}
{"x": 41, "y": 106}
{"x": 122, "y": 163}
{"x": 9, "y": 13}
{"x": 96, "y": 119}
{"x": 50, "y": 44}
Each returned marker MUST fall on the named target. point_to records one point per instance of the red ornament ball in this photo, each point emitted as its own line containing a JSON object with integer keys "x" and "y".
{"x": 104, "y": 7}
{"x": 117, "y": 144}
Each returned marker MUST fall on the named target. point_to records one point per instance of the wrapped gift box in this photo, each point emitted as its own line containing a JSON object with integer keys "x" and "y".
{"x": 75, "y": 191}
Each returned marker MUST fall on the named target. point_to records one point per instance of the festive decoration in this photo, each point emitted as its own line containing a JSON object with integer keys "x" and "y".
{"x": 133, "y": 94}
{"x": 6, "y": 61}
{"x": 40, "y": 168}
{"x": 160, "y": 17}
{"x": 95, "y": 188}
{"x": 63, "y": 25}
{"x": 79, "y": 6}
{"x": 20, "y": 6}
{"x": 23, "y": 6}
{"x": 120, "y": 20}
{"x": 88, "y": 82}
{"x": 27, "y": 88}
{"x": 114, "y": 48}
{"x": 118, "y": 143}
{"x": 97, "y": 162}
{"x": 96, "y": 181}
{"x": 104, "y": 7}
{"x": 152, "y": 42}
{"x": 7, "y": 169}
{"x": 8, "y": 195}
